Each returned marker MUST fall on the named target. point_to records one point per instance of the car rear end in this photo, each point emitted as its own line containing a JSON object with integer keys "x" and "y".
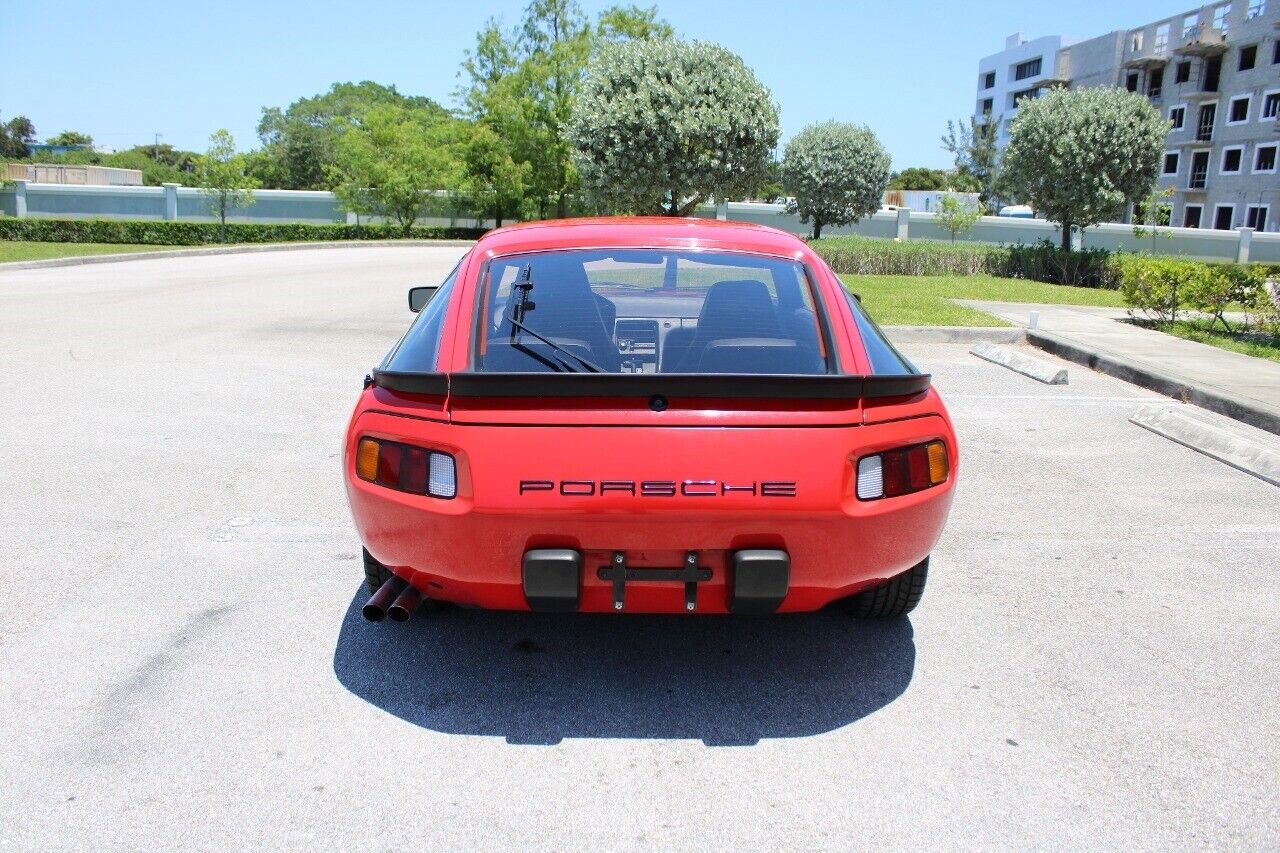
{"x": 569, "y": 465}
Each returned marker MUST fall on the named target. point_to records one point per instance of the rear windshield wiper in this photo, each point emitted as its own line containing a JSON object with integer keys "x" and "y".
{"x": 520, "y": 306}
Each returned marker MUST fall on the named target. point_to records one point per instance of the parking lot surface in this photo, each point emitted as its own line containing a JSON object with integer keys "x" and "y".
{"x": 183, "y": 664}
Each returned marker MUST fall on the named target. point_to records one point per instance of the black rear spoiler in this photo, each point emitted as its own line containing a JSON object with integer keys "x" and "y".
{"x": 786, "y": 386}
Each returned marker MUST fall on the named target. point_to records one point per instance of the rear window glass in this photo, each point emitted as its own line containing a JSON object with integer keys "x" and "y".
{"x": 885, "y": 359}
{"x": 642, "y": 311}
{"x": 418, "y": 349}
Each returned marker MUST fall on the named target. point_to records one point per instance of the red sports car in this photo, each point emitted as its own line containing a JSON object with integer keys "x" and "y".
{"x": 646, "y": 416}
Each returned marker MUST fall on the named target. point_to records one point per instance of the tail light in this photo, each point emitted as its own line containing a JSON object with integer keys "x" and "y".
{"x": 406, "y": 468}
{"x": 902, "y": 471}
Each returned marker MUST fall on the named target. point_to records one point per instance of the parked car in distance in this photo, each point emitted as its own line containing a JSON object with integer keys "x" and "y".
{"x": 647, "y": 416}
{"x": 1017, "y": 211}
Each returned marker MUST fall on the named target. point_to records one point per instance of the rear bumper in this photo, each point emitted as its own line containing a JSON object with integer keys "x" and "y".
{"x": 471, "y": 549}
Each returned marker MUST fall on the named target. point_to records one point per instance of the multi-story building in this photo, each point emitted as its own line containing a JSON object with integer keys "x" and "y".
{"x": 1214, "y": 72}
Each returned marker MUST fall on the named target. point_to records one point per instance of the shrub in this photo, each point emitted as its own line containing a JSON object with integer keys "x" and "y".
{"x": 1161, "y": 287}
{"x": 1041, "y": 262}
{"x": 1047, "y": 262}
{"x": 161, "y": 233}
{"x": 1217, "y": 286}
{"x": 874, "y": 256}
{"x": 1157, "y": 286}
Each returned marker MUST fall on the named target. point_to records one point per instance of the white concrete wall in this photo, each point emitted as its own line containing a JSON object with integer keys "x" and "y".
{"x": 56, "y": 200}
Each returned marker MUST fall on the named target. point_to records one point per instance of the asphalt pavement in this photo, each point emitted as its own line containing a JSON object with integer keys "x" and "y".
{"x": 183, "y": 664}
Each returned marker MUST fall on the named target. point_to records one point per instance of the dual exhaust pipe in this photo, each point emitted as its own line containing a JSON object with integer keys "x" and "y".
{"x": 396, "y": 598}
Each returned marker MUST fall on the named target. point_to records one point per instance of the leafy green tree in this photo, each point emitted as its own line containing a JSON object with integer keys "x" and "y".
{"x": 495, "y": 181}
{"x": 973, "y": 144}
{"x": 522, "y": 85}
{"x": 222, "y": 178}
{"x": 922, "y": 178}
{"x": 393, "y": 159}
{"x": 769, "y": 187}
{"x": 15, "y": 135}
{"x": 494, "y": 98}
{"x": 837, "y": 173}
{"x": 301, "y": 140}
{"x": 166, "y": 154}
{"x": 1152, "y": 215}
{"x": 664, "y": 125}
{"x": 958, "y": 217}
{"x": 71, "y": 137}
{"x": 1079, "y": 156}
{"x": 172, "y": 166}
{"x": 555, "y": 40}
{"x": 630, "y": 23}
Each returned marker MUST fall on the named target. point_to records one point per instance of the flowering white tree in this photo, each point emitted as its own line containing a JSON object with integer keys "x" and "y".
{"x": 1078, "y": 156}
{"x": 836, "y": 172}
{"x": 661, "y": 126}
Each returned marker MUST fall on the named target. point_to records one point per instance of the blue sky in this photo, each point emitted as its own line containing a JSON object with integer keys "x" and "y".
{"x": 123, "y": 71}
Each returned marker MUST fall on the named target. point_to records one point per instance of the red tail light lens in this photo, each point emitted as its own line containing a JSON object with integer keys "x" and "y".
{"x": 406, "y": 468}
{"x": 902, "y": 471}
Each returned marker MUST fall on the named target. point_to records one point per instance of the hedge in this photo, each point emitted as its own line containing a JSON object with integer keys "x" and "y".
{"x": 161, "y": 233}
{"x": 1040, "y": 262}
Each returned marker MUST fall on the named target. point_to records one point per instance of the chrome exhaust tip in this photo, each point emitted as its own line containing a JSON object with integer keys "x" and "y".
{"x": 375, "y": 609}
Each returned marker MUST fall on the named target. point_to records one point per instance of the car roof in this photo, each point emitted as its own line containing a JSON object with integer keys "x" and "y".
{"x": 640, "y": 231}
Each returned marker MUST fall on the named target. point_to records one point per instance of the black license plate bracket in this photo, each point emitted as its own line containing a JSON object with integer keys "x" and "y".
{"x": 690, "y": 573}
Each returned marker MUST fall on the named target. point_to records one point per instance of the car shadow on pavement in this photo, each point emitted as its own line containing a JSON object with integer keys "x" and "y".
{"x": 537, "y": 679}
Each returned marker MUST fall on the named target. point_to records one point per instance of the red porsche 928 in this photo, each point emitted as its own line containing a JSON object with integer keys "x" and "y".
{"x": 646, "y": 416}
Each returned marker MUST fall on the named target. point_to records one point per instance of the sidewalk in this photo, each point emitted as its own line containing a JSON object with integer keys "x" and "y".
{"x": 1242, "y": 387}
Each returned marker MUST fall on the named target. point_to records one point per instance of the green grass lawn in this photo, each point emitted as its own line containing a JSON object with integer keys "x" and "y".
{"x": 1256, "y": 345}
{"x": 898, "y": 300}
{"x": 22, "y": 250}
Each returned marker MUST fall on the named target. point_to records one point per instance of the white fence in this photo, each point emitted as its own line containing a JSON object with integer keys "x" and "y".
{"x": 185, "y": 203}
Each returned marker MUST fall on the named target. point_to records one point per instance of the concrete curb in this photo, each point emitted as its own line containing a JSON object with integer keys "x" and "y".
{"x": 80, "y": 260}
{"x": 1041, "y": 371}
{"x": 1215, "y": 400}
{"x": 1217, "y": 442}
{"x": 955, "y": 334}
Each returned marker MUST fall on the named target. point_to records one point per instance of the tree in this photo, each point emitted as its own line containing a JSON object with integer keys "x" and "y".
{"x": 522, "y": 85}
{"x": 629, "y": 23}
{"x": 71, "y": 137}
{"x": 15, "y": 135}
{"x": 922, "y": 178}
{"x": 837, "y": 173}
{"x": 769, "y": 187}
{"x": 1079, "y": 156}
{"x": 171, "y": 166}
{"x": 1152, "y": 215}
{"x": 494, "y": 180}
{"x": 222, "y": 178}
{"x": 664, "y": 125}
{"x": 300, "y": 141}
{"x": 973, "y": 144}
{"x": 956, "y": 216}
{"x": 391, "y": 161}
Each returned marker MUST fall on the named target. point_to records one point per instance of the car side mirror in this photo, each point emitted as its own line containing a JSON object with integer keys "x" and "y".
{"x": 420, "y": 296}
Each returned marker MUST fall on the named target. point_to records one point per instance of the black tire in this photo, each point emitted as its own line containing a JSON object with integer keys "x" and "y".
{"x": 896, "y": 597}
{"x": 375, "y": 574}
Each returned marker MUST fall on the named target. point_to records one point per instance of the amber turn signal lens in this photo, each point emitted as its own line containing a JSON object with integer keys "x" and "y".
{"x": 937, "y": 462}
{"x": 367, "y": 459}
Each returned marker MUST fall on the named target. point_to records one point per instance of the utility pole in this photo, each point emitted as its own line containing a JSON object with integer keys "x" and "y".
{"x": 155, "y": 148}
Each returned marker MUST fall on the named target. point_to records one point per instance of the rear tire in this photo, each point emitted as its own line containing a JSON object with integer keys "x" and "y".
{"x": 896, "y": 597}
{"x": 376, "y": 574}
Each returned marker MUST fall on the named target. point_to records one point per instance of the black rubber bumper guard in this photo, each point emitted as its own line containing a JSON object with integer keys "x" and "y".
{"x": 758, "y": 579}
